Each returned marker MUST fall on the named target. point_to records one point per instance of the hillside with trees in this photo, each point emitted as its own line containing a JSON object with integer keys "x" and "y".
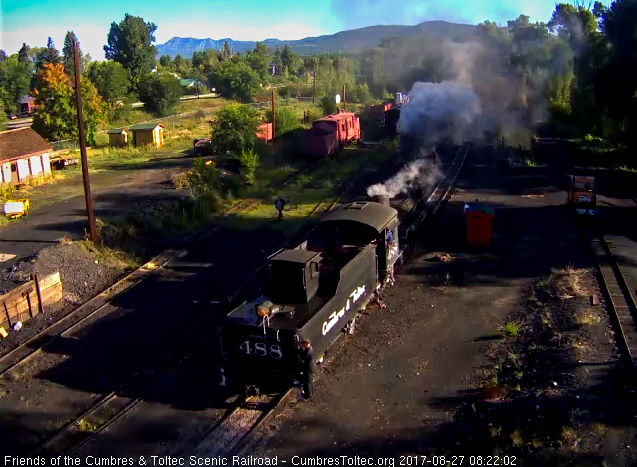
{"x": 576, "y": 71}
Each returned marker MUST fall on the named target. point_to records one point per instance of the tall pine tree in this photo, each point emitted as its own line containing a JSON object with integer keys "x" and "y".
{"x": 48, "y": 55}
{"x": 67, "y": 52}
{"x": 23, "y": 54}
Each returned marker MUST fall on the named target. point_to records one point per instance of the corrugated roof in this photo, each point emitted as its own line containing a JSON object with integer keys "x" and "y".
{"x": 21, "y": 142}
{"x": 146, "y": 126}
{"x": 116, "y": 131}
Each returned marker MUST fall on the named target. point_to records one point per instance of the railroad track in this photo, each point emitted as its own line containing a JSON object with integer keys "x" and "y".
{"x": 234, "y": 429}
{"x": 421, "y": 211}
{"x": 97, "y": 307}
{"x": 114, "y": 406}
{"x": 619, "y": 295}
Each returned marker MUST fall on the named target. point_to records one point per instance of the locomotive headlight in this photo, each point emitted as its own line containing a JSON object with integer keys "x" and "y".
{"x": 262, "y": 311}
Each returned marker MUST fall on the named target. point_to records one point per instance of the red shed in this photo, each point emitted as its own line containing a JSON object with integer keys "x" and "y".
{"x": 264, "y": 131}
{"x": 330, "y": 133}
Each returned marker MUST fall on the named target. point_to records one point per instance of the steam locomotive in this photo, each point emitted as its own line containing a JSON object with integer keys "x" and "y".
{"x": 313, "y": 292}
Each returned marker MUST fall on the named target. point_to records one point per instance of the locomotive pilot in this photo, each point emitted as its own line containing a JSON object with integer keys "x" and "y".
{"x": 306, "y": 367}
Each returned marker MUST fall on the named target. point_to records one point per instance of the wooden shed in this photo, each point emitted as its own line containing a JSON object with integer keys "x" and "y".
{"x": 118, "y": 137}
{"x": 146, "y": 134}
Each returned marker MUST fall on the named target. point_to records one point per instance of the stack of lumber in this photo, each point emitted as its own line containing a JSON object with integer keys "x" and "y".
{"x": 27, "y": 300}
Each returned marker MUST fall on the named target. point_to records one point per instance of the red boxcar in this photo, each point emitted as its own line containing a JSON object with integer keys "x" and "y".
{"x": 330, "y": 133}
{"x": 264, "y": 132}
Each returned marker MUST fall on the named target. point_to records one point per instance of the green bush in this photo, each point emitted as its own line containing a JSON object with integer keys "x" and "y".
{"x": 286, "y": 120}
{"x": 235, "y": 128}
{"x": 250, "y": 162}
{"x": 328, "y": 104}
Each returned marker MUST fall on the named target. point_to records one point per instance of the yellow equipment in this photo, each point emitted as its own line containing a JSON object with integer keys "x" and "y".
{"x": 15, "y": 208}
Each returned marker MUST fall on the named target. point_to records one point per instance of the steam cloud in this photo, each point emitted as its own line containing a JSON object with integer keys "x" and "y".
{"x": 421, "y": 173}
{"x": 437, "y": 111}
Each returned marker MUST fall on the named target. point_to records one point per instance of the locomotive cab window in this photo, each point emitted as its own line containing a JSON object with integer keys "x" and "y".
{"x": 314, "y": 270}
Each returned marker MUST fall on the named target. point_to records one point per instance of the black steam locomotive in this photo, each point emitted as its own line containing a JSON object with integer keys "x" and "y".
{"x": 313, "y": 291}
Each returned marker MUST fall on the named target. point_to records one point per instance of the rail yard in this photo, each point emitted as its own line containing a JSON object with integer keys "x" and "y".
{"x": 136, "y": 371}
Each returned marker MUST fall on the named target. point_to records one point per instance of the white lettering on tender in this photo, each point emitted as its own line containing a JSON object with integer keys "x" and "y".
{"x": 334, "y": 317}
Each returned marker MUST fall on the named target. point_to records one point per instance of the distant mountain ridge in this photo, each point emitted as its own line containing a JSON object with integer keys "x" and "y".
{"x": 345, "y": 41}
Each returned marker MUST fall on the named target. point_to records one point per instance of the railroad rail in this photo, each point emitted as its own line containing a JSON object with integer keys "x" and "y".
{"x": 97, "y": 306}
{"x": 619, "y": 297}
{"x": 428, "y": 208}
{"x": 112, "y": 407}
{"x": 234, "y": 428}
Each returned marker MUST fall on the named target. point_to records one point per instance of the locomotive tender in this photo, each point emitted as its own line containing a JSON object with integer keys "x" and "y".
{"x": 313, "y": 291}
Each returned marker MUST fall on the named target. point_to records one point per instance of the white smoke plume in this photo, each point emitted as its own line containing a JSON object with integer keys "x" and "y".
{"x": 420, "y": 173}
{"x": 437, "y": 111}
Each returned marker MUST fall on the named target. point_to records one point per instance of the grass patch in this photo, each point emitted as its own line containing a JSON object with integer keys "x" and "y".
{"x": 310, "y": 189}
{"x": 510, "y": 330}
{"x": 563, "y": 283}
{"x": 86, "y": 425}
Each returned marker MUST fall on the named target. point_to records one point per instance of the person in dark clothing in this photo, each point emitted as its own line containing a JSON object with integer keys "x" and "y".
{"x": 279, "y": 204}
{"x": 306, "y": 367}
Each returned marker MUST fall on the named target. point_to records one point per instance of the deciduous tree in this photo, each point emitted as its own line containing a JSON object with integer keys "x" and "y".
{"x": 235, "y": 128}
{"x": 56, "y": 115}
{"x": 110, "y": 79}
{"x": 131, "y": 43}
{"x": 236, "y": 80}
{"x": 15, "y": 79}
{"x": 160, "y": 92}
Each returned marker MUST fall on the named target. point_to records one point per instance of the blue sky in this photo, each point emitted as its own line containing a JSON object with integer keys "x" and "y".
{"x": 32, "y": 21}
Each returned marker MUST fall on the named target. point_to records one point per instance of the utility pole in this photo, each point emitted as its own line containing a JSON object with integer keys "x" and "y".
{"x": 344, "y": 100}
{"x": 80, "y": 122}
{"x": 273, "y": 117}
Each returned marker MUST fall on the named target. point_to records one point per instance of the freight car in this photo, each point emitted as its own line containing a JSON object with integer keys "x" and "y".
{"x": 313, "y": 291}
{"x": 391, "y": 121}
{"x": 328, "y": 134}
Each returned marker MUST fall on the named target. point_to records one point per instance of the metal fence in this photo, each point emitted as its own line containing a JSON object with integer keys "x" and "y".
{"x": 174, "y": 121}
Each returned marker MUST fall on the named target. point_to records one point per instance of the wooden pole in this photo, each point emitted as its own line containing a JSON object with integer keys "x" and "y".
{"x": 273, "y": 116}
{"x": 80, "y": 122}
{"x": 344, "y": 100}
{"x": 29, "y": 302}
{"x": 6, "y": 310}
{"x": 36, "y": 279}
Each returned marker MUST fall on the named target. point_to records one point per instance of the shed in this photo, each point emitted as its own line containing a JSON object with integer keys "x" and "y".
{"x": 118, "y": 137}
{"x": 145, "y": 134}
{"x": 25, "y": 105}
{"x": 24, "y": 154}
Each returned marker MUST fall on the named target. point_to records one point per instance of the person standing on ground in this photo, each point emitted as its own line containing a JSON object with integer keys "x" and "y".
{"x": 307, "y": 366}
{"x": 279, "y": 204}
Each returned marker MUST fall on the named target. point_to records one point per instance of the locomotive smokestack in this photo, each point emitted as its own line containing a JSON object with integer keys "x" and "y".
{"x": 382, "y": 199}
